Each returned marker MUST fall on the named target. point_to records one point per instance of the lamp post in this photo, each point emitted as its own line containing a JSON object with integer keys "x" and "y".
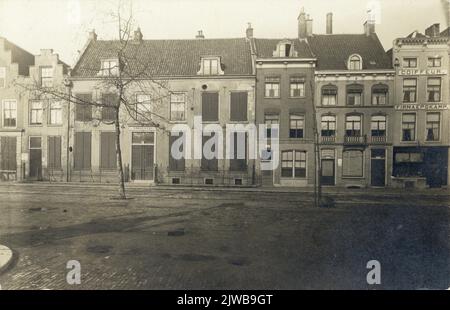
{"x": 68, "y": 85}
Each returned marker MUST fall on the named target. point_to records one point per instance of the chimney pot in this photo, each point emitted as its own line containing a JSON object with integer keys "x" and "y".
{"x": 92, "y": 35}
{"x": 329, "y": 23}
{"x": 369, "y": 27}
{"x": 200, "y": 35}
{"x": 302, "y": 24}
{"x": 249, "y": 31}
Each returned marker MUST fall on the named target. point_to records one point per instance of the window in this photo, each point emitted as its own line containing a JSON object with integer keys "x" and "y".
{"x": 409, "y": 62}
{"x": 434, "y": 89}
{"x": 293, "y": 164}
{"x": 54, "y": 152}
{"x": 36, "y": 112}
{"x": 175, "y": 163}
{"x": 269, "y": 121}
{"x": 210, "y": 66}
{"x": 297, "y": 87}
{"x": 353, "y": 125}
{"x": 83, "y": 108}
{"x": 433, "y": 62}
{"x": 378, "y": 126}
{"x": 108, "y": 150}
{"x": 328, "y": 126}
{"x": 238, "y": 161}
{"x": 355, "y": 62}
{"x": 108, "y": 110}
{"x": 177, "y": 107}
{"x": 2, "y": 77}
{"x": 55, "y": 113}
{"x": 379, "y": 94}
{"x": 284, "y": 49}
{"x": 433, "y": 126}
{"x": 354, "y": 94}
{"x": 143, "y": 107}
{"x": 9, "y": 113}
{"x": 210, "y": 107}
{"x": 82, "y": 151}
{"x": 109, "y": 67}
{"x": 329, "y": 95}
{"x": 209, "y": 161}
{"x": 296, "y": 126}
{"x": 408, "y": 127}
{"x": 46, "y": 76}
{"x": 409, "y": 90}
{"x": 352, "y": 163}
{"x": 272, "y": 87}
{"x": 238, "y": 106}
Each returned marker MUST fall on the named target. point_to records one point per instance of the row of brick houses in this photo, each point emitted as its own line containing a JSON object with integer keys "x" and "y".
{"x": 382, "y": 117}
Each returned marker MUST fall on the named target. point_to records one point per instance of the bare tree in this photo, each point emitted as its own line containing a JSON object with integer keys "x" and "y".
{"x": 123, "y": 78}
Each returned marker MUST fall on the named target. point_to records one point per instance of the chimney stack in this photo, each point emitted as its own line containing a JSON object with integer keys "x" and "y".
{"x": 309, "y": 25}
{"x": 92, "y": 35}
{"x": 137, "y": 35}
{"x": 200, "y": 35}
{"x": 369, "y": 27}
{"x": 302, "y": 24}
{"x": 433, "y": 30}
{"x": 330, "y": 23}
{"x": 249, "y": 31}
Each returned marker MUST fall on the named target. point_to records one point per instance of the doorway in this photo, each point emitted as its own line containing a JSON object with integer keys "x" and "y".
{"x": 328, "y": 171}
{"x": 378, "y": 168}
{"x": 142, "y": 156}
{"x": 35, "y": 158}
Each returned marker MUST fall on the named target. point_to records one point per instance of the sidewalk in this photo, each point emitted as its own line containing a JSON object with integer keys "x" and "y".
{"x": 330, "y": 190}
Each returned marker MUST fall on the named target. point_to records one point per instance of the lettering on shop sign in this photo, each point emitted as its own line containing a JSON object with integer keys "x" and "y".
{"x": 422, "y": 107}
{"x": 422, "y": 72}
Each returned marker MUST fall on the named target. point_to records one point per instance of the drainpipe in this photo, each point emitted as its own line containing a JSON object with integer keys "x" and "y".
{"x": 68, "y": 85}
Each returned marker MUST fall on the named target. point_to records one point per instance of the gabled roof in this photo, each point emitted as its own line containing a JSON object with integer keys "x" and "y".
{"x": 20, "y": 56}
{"x": 333, "y": 51}
{"x": 176, "y": 58}
{"x": 266, "y": 47}
{"x": 446, "y": 32}
{"x": 416, "y": 34}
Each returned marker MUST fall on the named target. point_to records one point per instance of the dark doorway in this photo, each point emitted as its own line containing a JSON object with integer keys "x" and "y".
{"x": 35, "y": 158}
{"x": 142, "y": 156}
{"x": 378, "y": 167}
{"x": 328, "y": 172}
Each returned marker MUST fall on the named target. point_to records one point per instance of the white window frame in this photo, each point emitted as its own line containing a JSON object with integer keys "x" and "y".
{"x": 60, "y": 110}
{"x": 143, "y": 106}
{"x": 210, "y": 69}
{"x": 47, "y": 73}
{"x": 3, "y": 112}
{"x": 109, "y": 70}
{"x": 172, "y": 101}
{"x": 352, "y": 60}
{"x": 31, "y": 113}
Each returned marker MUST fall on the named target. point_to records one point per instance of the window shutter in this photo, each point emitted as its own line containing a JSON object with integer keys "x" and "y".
{"x": 78, "y": 152}
{"x": 87, "y": 150}
{"x": 51, "y": 155}
{"x": 57, "y": 154}
{"x": 210, "y": 106}
{"x": 175, "y": 164}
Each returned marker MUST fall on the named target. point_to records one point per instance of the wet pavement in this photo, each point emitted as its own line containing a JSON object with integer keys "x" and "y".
{"x": 201, "y": 239}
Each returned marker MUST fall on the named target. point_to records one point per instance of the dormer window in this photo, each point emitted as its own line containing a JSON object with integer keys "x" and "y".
{"x": 354, "y": 62}
{"x": 109, "y": 67}
{"x": 284, "y": 49}
{"x": 210, "y": 66}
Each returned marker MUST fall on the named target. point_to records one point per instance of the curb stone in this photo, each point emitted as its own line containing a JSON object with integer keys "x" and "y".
{"x": 5, "y": 257}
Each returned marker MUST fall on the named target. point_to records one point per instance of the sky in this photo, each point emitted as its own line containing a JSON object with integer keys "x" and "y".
{"x": 63, "y": 25}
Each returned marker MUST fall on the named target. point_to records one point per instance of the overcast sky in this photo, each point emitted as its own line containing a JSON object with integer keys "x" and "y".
{"x": 63, "y": 24}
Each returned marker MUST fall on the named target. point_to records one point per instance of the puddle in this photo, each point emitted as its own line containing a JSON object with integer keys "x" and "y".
{"x": 99, "y": 249}
{"x": 176, "y": 233}
{"x": 239, "y": 261}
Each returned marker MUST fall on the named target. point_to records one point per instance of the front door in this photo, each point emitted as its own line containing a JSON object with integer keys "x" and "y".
{"x": 378, "y": 167}
{"x": 328, "y": 172}
{"x": 142, "y": 156}
{"x": 35, "y": 158}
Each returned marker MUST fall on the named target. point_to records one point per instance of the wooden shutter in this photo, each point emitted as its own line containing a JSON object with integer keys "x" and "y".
{"x": 83, "y": 112}
{"x": 175, "y": 164}
{"x": 82, "y": 156}
{"x": 238, "y": 106}
{"x": 87, "y": 150}
{"x": 107, "y": 150}
{"x": 54, "y": 152}
{"x": 8, "y": 153}
{"x": 210, "y": 107}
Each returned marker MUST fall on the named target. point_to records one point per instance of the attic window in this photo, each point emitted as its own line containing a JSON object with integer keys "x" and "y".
{"x": 210, "y": 66}
{"x": 109, "y": 67}
{"x": 354, "y": 62}
{"x": 284, "y": 49}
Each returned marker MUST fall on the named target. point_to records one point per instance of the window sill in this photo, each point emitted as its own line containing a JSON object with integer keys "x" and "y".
{"x": 272, "y": 97}
{"x": 36, "y": 125}
{"x": 301, "y": 97}
{"x": 352, "y": 178}
{"x": 55, "y": 125}
{"x": 178, "y": 122}
{"x": 238, "y": 122}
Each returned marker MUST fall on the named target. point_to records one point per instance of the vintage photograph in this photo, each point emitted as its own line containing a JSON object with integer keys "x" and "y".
{"x": 224, "y": 145}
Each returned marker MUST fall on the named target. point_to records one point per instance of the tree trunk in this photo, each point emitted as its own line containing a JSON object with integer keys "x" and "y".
{"x": 120, "y": 173}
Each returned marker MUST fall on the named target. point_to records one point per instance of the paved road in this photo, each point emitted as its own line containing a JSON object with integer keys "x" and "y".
{"x": 173, "y": 239}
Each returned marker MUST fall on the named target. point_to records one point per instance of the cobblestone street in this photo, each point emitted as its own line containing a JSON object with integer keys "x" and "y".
{"x": 203, "y": 239}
